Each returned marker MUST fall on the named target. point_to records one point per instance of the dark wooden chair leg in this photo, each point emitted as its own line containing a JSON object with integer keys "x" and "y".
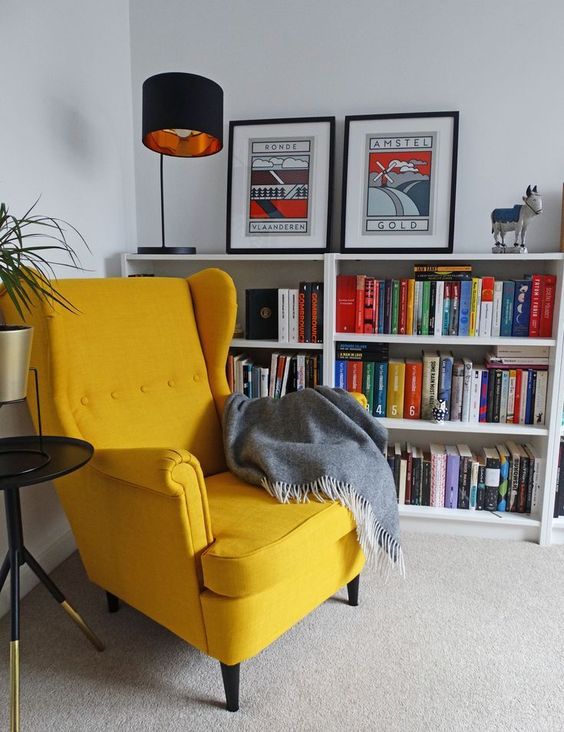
{"x": 230, "y": 676}
{"x": 352, "y": 587}
{"x": 113, "y": 602}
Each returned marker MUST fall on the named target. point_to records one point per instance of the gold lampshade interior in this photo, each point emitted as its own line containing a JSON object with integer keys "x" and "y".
{"x": 182, "y": 143}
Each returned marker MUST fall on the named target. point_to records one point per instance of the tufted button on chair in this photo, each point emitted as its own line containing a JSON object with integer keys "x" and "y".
{"x": 158, "y": 521}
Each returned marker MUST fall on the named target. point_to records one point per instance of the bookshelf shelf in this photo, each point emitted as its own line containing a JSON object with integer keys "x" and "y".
{"x": 246, "y": 343}
{"x": 285, "y": 270}
{"x": 482, "y": 428}
{"x": 459, "y": 514}
{"x": 444, "y": 340}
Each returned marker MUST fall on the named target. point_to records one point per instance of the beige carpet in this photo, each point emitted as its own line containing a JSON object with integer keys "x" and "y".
{"x": 473, "y": 639}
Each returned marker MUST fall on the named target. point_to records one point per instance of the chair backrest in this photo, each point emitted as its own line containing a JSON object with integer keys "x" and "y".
{"x": 141, "y": 365}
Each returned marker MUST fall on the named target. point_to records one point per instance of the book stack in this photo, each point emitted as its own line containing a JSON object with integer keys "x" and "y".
{"x": 287, "y": 372}
{"x": 286, "y": 315}
{"x": 446, "y": 301}
{"x": 503, "y": 478}
{"x": 509, "y": 388}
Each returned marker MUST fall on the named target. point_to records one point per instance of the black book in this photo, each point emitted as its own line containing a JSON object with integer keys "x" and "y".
{"x": 490, "y": 397}
{"x": 432, "y": 306}
{"x": 416, "y": 477}
{"x": 493, "y": 465}
{"x": 261, "y": 314}
{"x": 305, "y": 290}
{"x": 523, "y": 482}
{"x": 367, "y": 352}
{"x": 317, "y": 312}
{"x": 496, "y": 411}
{"x": 388, "y": 308}
{"x": 481, "y": 493}
{"x": 426, "y": 480}
{"x": 559, "y": 500}
{"x": 464, "y": 476}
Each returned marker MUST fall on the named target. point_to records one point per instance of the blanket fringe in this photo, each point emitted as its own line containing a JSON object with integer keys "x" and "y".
{"x": 377, "y": 544}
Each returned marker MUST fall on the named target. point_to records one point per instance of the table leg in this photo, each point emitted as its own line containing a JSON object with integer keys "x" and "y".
{"x": 60, "y": 598}
{"x": 15, "y": 560}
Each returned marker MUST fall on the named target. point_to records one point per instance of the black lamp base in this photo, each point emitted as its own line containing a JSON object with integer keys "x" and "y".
{"x": 166, "y": 250}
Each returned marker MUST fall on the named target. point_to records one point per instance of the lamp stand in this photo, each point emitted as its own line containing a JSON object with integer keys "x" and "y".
{"x": 163, "y": 249}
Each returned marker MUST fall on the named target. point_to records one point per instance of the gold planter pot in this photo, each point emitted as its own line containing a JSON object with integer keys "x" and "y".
{"x": 15, "y": 354}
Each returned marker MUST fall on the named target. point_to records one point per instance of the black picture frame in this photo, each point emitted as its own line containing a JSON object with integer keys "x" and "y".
{"x": 313, "y": 231}
{"x": 363, "y": 229}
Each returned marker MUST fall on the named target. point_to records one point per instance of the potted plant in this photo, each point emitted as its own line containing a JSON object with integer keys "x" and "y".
{"x": 27, "y": 245}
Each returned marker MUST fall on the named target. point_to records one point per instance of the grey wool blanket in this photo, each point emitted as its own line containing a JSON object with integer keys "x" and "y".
{"x": 318, "y": 443}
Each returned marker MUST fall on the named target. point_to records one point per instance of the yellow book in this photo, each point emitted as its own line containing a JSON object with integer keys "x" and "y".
{"x": 396, "y": 381}
{"x": 474, "y": 307}
{"x": 410, "y": 299}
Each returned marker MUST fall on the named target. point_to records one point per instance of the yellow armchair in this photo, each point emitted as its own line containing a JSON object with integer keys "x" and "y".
{"x": 159, "y": 522}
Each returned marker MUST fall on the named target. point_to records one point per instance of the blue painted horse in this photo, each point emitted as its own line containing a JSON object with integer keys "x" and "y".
{"x": 516, "y": 219}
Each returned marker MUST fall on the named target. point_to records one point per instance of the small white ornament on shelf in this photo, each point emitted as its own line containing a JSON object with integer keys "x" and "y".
{"x": 515, "y": 219}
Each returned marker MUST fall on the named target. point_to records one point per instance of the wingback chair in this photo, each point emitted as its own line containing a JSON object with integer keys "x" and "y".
{"x": 159, "y": 522}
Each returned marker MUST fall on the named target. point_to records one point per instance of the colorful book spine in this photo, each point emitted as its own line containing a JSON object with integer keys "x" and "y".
{"x": 402, "y": 318}
{"x": 368, "y": 384}
{"x": 430, "y": 386}
{"x": 410, "y": 299}
{"x": 395, "y": 307}
{"x": 451, "y": 479}
{"x": 465, "y": 307}
{"x": 396, "y": 384}
{"x": 484, "y": 396}
{"x": 413, "y": 383}
{"x": 380, "y": 388}
{"x": 497, "y": 305}
{"x": 359, "y": 304}
{"x": 445, "y": 379}
{"x": 446, "y": 308}
{"x": 537, "y": 289}
{"x": 506, "y": 326}
{"x": 381, "y": 306}
{"x": 547, "y": 307}
{"x": 521, "y": 308}
{"x": 369, "y": 305}
{"x": 486, "y": 308}
{"x": 341, "y": 374}
{"x": 454, "y": 309}
{"x": 425, "y": 308}
{"x": 346, "y": 305}
{"x": 474, "y": 306}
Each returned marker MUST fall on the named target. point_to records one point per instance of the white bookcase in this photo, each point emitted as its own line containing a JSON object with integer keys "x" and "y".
{"x": 286, "y": 270}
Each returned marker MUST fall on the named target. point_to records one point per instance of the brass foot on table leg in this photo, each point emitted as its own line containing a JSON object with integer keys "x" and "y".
{"x": 14, "y": 686}
{"x": 92, "y": 637}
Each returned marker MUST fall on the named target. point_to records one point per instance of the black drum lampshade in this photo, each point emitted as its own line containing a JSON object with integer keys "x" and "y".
{"x": 182, "y": 117}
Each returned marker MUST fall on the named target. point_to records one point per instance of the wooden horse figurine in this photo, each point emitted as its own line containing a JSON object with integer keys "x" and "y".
{"x": 515, "y": 219}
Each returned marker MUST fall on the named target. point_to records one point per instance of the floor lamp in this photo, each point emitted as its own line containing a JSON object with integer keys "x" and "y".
{"x": 182, "y": 117}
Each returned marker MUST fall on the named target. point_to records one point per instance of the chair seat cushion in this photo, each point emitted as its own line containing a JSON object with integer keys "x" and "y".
{"x": 259, "y": 542}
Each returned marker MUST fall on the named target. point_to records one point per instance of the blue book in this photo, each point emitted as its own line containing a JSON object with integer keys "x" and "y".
{"x": 380, "y": 389}
{"x": 445, "y": 379}
{"x": 341, "y": 374}
{"x": 464, "y": 307}
{"x": 531, "y": 388}
{"x": 446, "y": 312}
{"x": 381, "y": 305}
{"x": 451, "y": 481}
{"x": 521, "y": 308}
{"x": 507, "y": 308}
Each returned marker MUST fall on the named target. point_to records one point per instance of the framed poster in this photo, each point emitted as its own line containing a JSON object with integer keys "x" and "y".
{"x": 279, "y": 185}
{"x": 399, "y": 183}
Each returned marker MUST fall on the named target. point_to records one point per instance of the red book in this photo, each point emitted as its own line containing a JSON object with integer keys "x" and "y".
{"x": 359, "y": 310}
{"x": 517, "y": 406}
{"x": 402, "y": 329}
{"x": 354, "y": 376}
{"x": 547, "y": 306}
{"x": 412, "y": 389}
{"x": 346, "y": 304}
{"x": 376, "y": 304}
{"x": 369, "y": 305}
{"x": 537, "y": 289}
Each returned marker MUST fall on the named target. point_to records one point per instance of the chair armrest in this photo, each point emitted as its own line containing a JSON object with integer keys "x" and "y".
{"x": 172, "y": 473}
{"x": 360, "y": 398}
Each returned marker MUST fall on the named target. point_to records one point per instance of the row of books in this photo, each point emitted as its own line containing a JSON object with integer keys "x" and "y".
{"x": 284, "y": 314}
{"x": 508, "y": 388}
{"x": 287, "y": 372}
{"x": 446, "y": 301}
{"x": 506, "y": 477}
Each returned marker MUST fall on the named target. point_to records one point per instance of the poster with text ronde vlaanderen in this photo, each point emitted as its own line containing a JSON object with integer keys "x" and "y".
{"x": 279, "y": 186}
{"x": 399, "y": 183}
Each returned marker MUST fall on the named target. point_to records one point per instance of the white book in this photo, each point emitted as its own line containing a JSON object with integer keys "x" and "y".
{"x": 283, "y": 315}
{"x": 510, "y": 417}
{"x": 496, "y": 318}
{"x": 439, "y": 306}
{"x": 402, "y": 480}
{"x": 264, "y": 381}
{"x": 511, "y": 351}
{"x": 523, "y": 404}
{"x": 293, "y": 309}
{"x": 504, "y": 396}
{"x": 272, "y": 375}
{"x": 486, "y": 315}
{"x": 285, "y": 375}
{"x": 465, "y": 417}
{"x": 475, "y": 393}
{"x": 539, "y": 413}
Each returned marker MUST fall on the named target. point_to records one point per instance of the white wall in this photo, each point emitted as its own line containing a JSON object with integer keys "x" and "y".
{"x": 65, "y": 134}
{"x": 499, "y": 62}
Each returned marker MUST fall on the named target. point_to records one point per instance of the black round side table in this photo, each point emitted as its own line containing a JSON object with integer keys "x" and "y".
{"x": 28, "y": 461}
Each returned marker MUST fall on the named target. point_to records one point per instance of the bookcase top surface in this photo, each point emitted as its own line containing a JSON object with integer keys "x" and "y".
{"x": 456, "y": 257}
